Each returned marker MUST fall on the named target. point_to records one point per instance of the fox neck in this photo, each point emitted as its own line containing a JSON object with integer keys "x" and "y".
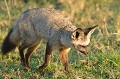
{"x": 66, "y": 35}
{"x": 65, "y": 40}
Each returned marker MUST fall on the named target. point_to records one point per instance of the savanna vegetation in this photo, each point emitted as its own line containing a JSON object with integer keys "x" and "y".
{"x": 103, "y": 61}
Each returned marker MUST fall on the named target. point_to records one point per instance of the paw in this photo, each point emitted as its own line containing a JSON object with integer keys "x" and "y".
{"x": 23, "y": 63}
{"x": 26, "y": 69}
{"x": 39, "y": 70}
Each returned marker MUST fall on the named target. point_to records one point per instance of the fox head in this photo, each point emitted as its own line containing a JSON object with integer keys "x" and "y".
{"x": 80, "y": 39}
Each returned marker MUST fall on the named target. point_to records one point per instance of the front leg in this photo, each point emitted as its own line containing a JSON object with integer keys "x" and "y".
{"x": 47, "y": 58}
{"x": 64, "y": 57}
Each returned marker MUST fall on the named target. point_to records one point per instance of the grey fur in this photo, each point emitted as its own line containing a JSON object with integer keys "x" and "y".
{"x": 41, "y": 23}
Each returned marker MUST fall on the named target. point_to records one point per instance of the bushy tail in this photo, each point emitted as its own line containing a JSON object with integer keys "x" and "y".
{"x": 7, "y": 45}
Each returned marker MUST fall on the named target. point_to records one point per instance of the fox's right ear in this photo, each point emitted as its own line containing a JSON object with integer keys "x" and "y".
{"x": 77, "y": 33}
{"x": 90, "y": 30}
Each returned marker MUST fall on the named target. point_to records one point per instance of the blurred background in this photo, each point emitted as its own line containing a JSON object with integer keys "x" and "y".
{"x": 82, "y": 13}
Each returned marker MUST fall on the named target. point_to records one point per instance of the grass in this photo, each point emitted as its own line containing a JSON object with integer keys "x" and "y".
{"x": 103, "y": 61}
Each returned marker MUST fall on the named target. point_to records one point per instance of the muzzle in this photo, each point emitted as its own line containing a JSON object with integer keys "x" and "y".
{"x": 83, "y": 49}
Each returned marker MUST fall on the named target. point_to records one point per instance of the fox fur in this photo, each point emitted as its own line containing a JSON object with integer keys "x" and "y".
{"x": 38, "y": 24}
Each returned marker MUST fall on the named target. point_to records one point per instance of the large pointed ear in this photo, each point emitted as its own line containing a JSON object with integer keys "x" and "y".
{"x": 77, "y": 33}
{"x": 89, "y": 31}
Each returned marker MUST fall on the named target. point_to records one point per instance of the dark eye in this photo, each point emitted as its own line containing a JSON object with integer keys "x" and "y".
{"x": 77, "y": 35}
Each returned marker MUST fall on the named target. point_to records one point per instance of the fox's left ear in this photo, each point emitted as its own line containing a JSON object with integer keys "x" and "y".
{"x": 89, "y": 31}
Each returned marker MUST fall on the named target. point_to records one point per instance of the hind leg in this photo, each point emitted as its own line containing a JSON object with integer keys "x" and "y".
{"x": 29, "y": 52}
{"x": 21, "y": 48}
{"x": 21, "y": 51}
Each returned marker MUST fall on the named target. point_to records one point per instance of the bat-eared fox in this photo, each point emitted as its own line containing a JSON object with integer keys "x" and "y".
{"x": 42, "y": 24}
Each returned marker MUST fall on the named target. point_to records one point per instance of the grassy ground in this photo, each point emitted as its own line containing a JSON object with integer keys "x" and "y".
{"x": 103, "y": 62}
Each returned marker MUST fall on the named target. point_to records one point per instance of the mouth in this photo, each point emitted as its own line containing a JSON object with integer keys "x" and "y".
{"x": 81, "y": 49}
{"x": 84, "y": 52}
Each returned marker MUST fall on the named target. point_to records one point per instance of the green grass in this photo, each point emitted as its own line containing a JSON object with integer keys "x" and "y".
{"x": 103, "y": 61}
